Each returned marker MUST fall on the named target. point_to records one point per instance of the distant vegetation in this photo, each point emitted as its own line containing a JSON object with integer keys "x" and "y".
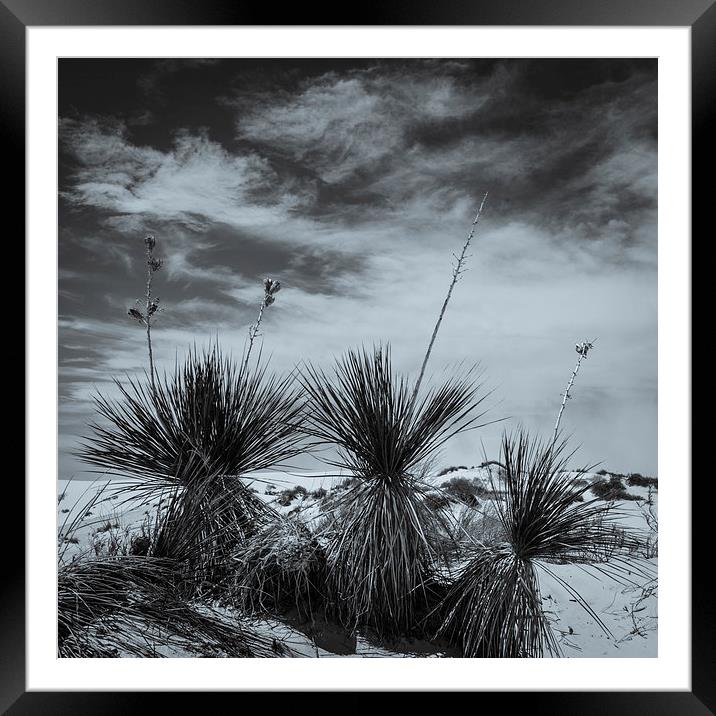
{"x": 612, "y": 489}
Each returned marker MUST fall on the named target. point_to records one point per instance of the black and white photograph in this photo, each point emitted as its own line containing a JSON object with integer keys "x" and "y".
{"x": 357, "y": 358}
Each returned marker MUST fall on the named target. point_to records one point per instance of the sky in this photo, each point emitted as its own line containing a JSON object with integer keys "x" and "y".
{"x": 353, "y": 183}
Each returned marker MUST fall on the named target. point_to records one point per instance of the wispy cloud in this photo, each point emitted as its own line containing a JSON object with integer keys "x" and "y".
{"x": 425, "y": 142}
{"x": 194, "y": 183}
{"x": 341, "y": 126}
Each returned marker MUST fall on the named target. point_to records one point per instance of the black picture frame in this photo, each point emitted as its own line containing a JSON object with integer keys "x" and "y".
{"x": 699, "y": 15}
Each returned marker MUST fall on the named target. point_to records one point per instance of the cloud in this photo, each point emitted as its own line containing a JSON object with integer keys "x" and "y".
{"x": 342, "y": 125}
{"x": 438, "y": 136}
{"x": 197, "y": 181}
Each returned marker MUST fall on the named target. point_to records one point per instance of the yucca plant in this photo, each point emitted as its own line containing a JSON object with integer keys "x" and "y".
{"x": 198, "y": 431}
{"x": 198, "y": 526}
{"x": 493, "y": 609}
{"x": 381, "y": 559}
{"x": 234, "y": 421}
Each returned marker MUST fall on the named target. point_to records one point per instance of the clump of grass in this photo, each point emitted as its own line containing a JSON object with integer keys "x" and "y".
{"x": 380, "y": 559}
{"x": 281, "y": 568}
{"x": 494, "y": 608}
{"x": 467, "y": 528}
{"x": 122, "y": 604}
{"x": 126, "y": 606}
{"x": 344, "y": 484}
{"x": 478, "y": 527}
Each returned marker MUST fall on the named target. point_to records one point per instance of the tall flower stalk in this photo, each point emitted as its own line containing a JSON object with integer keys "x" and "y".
{"x": 582, "y": 349}
{"x": 457, "y": 271}
{"x": 271, "y": 288}
{"x": 151, "y": 303}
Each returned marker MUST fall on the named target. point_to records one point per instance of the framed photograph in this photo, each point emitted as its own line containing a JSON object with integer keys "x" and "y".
{"x": 359, "y": 354}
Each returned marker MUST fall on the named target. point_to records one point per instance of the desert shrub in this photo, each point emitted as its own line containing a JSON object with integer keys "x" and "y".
{"x": 482, "y": 527}
{"x": 320, "y": 493}
{"x": 110, "y": 543}
{"x": 467, "y": 527}
{"x": 345, "y": 484}
{"x": 196, "y": 528}
{"x": 605, "y": 473}
{"x": 612, "y": 489}
{"x": 382, "y": 555}
{"x": 493, "y": 608}
{"x": 637, "y": 480}
{"x": 437, "y": 500}
{"x": 447, "y": 470}
{"x": 107, "y": 526}
{"x": 380, "y": 558}
{"x": 464, "y": 490}
{"x": 282, "y": 567}
{"x": 139, "y": 546}
{"x": 286, "y": 497}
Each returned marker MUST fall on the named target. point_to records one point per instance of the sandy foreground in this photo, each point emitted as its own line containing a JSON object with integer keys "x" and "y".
{"x": 626, "y": 608}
